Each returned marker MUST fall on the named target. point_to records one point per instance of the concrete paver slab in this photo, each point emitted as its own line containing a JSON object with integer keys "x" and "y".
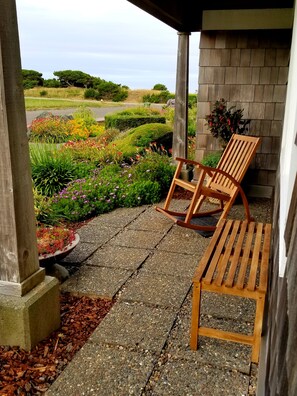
{"x": 96, "y": 281}
{"x": 181, "y": 377}
{"x": 119, "y": 217}
{"x": 137, "y": 239}
{"x": 80, "y": 253}
{"x": 135, "y": 325}
{"x": 98, "y": 234}
{"x": 184, "y": 240}
{"x": 118, "y": 257}
{"x": 151, "y": 220}
{"x": 99, "y": 370}
{"x": 227, "y": 306}
{"x": 177, "y": 205}
{"x": 222, "y": 354}
{"x": 162, "y": 290}
{"x": 179, "y": 264}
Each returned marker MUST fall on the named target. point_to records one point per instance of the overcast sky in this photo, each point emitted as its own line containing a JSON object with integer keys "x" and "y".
{"x": 110, "y": 39}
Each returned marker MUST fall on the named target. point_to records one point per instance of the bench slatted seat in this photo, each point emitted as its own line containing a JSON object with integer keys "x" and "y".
{"x": 235, "y": 263}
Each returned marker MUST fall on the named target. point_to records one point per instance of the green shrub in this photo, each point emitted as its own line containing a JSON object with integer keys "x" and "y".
{"x": 88, "y": 197}
{"x": 43, "y": 93}
{"x": 135, "y": 141}
{"x": 142, "y": 192}
{"x": 211, "y": 159}
{"x": 132, "y": 118}
{"x": 192, "y": 100}
{"x": 43, "y": 211}
{"x": 169, "y": 113}
{"x": 52, "y": 83}
{"x": 160, "y": 87}
{"x": 114, "y": 186}
{"x": 161, "y": 97}
{"x": 157, "y": 168}
{"x": 91, "y": 93}
{"x": 52, "y": 171}
{"x": 192, "y": 114}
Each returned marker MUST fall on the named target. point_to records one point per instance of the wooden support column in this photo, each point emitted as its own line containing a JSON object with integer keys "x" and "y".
{"x": 19, "y": 265}
{"x": 180, "y": 133}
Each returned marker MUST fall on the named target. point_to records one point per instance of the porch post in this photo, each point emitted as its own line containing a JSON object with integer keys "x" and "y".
{"x": 180, "y": 133}
{"x": 21, "y": 278}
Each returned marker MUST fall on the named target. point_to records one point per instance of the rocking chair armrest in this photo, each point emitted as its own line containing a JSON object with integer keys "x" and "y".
{"x": 207, "y": 169}
{"x": 240, "y": 190}
{"x": 187, "y": 161}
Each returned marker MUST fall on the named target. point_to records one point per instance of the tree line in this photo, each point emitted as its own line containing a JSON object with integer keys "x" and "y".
{"x": 95, "y": 87}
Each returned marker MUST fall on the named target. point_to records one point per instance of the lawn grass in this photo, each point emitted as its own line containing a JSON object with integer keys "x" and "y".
{"x": 62, "y": 93}
{"x": 42, "y": 98}
{"x": 51, "y": 103}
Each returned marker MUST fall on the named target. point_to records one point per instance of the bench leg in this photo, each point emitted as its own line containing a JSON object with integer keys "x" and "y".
{"x": 195, "y": 316}
{"x": 258, "y": 328}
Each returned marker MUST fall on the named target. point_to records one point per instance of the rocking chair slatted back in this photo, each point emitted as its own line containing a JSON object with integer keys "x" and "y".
{"x": 235, "y": 162}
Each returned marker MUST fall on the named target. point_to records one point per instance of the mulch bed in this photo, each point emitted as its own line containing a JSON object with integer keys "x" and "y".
{"x": 31, "y": 373}
{"x": 181, "y": 193}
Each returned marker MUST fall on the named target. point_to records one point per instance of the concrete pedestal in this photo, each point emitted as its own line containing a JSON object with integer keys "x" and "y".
{"x": 24, "y": 321}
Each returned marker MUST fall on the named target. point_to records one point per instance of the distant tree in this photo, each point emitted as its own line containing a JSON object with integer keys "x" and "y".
{"x": 160, "y": 97}
{"x": 74, "y": 78}
{"x": 160, "y": 87}
{"x": 106, "y": 90}
{"x": 52, "y": 83}
{"x": 31, "y": 78}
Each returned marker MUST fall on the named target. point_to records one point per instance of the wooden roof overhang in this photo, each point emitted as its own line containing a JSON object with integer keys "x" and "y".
{"x": 193, "y": 16}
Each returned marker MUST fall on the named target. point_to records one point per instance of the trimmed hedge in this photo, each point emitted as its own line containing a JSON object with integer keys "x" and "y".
{"x": 124, "y": 122}
{"x": 133, "y": 117}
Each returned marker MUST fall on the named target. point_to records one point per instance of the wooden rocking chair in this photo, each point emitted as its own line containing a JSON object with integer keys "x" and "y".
{"x": 223, "y": 183}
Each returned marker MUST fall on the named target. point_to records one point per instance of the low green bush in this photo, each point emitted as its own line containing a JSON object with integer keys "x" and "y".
{"x": 43, "y": 211}
{"x": 53, "y": 170}
{"x": 142, "y": 192}
{"x": 132, "y": 118}
{"x": 91, "y": 196}
{"x": 161, "y": 97}
{"x": 135, "y": 142}
{"x": 211, "y": 159}
{"x": 156, "y": 168}
{"x": 114, "y": 186}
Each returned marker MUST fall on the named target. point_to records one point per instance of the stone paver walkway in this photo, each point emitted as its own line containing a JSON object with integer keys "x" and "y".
{"x": 144, "y": 261}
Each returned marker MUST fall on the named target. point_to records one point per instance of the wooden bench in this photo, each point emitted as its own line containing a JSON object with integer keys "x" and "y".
{"x": 235, "y": 263}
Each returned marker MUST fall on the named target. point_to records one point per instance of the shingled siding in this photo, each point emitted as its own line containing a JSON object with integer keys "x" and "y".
{"x": 249, "y": 69}
{"x": 280, "y": 369}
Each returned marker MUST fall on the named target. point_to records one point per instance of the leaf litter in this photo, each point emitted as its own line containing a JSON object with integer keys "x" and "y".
{"x": 26, "y": 373}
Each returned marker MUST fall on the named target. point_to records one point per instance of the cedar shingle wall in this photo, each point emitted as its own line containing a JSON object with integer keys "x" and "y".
{"x": 281, "y": 323}
{"x": 249, "y": 69}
